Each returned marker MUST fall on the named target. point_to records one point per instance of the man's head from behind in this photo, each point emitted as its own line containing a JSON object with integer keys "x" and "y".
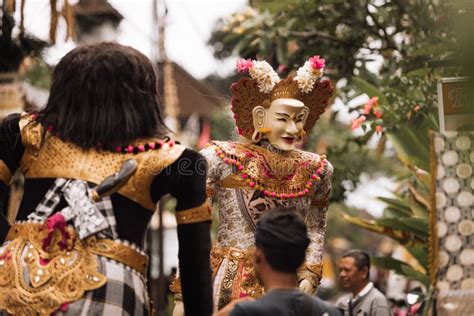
{"x": 354, "y": 270}
{"x": 281, "y": 240}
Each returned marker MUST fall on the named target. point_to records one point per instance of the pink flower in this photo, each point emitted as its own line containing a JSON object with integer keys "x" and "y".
{"x": 358, "y": 121}
{"x": 374, "y": 102}
{"x": 355, "y": 124}
{"x": 367, "y": 109}
{"x": 282, "y": 68}
{"x": 243, "y": 65}
{"x": 379, "y": 129}
{"x": 378, "y": 114}
{"x": 57, "y": 221}
{"x": 317, "y": 62}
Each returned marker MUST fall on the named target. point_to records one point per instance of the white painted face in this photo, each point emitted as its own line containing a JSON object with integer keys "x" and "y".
{"x": 285, "y": 118}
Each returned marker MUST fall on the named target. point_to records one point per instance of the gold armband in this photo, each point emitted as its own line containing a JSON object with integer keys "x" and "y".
{"x": 198, "y": 214}
{"x": 5, "y": 174}
{"x": 210, "y": 192}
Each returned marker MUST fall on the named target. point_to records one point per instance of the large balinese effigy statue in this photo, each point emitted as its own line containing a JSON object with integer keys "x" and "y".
{"x": 95, "y": 165}
{"x": 247, "y": 179}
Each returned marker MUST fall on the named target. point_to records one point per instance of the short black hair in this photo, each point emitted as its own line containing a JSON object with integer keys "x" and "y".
{"x": 361, "y": 259}
{"x": 282, "y": 236}
{"x": 104, "y": 95}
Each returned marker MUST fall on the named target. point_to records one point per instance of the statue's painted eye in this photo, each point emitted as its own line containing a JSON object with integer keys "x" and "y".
{"x": 281, "y": 119}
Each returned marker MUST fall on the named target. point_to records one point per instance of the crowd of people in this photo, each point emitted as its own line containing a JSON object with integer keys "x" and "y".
{"x": 96, "y": 161}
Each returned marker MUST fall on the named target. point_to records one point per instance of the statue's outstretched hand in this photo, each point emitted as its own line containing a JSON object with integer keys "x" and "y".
{"x": 178, "y": 308}
{"x": 306, "y": 286}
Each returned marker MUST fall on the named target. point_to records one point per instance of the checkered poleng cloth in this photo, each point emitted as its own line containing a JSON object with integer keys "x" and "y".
{"x": 52, "y": 198}
{"x": 125, "y": 292}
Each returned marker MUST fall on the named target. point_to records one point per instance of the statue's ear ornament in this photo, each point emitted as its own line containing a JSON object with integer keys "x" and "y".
{"x": 264, "y": 86}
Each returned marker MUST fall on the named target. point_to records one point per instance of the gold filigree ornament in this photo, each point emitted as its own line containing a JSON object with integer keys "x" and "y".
{"x": 51, "y": 157}
{"x": 281, "y": 175}
{"x": 34, "y": 281}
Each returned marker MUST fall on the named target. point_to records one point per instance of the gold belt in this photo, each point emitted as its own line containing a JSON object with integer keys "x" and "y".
{"x": 232, "y": 253}
{"x": 217, "y": 255}
{"x": 102, "y": 247}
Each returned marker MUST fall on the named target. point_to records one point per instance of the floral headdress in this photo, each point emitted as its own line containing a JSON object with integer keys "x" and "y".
{"x": 264, "y": 86}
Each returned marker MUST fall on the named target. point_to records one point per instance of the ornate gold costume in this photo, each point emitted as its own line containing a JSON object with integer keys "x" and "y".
{"x": 240, "y": 207}
{"x": 56, "y": 276}
{"x": 54, "y": 158}
{"x": 283, "y": 172}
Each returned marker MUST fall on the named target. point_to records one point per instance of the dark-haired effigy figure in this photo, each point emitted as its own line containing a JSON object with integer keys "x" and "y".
{"x": 95, "y": 165}
{"x": 247, "y": 179}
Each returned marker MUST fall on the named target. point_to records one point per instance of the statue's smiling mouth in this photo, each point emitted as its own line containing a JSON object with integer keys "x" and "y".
{"x": 288, "y": 139}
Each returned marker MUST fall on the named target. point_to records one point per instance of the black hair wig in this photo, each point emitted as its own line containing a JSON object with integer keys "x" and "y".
{"x": 103, "y": 95}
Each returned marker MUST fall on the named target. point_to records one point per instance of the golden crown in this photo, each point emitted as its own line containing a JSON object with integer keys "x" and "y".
{"x": 264, "y": 86}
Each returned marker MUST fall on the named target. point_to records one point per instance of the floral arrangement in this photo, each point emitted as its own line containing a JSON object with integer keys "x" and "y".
{"x": 261, "y": 71}
{"x": 311, "y": 71}
{"x": 371, "y": 107}
{"x": 267, "y": 78}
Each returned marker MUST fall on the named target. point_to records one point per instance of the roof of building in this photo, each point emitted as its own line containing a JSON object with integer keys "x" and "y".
{"x": 195, "y": 96}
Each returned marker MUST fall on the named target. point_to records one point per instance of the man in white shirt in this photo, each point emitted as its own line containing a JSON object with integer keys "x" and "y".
{"x": 364, "y": 298}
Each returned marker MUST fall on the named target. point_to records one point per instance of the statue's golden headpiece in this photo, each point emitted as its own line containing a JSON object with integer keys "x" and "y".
{"x": 263, "y": 86}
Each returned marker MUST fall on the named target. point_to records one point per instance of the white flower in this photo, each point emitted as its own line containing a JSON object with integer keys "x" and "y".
{"x": 266, "y": 77}
{"x": 306, "y": 76}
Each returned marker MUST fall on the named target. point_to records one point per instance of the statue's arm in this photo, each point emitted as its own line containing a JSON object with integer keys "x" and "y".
{"x": 316, "y": 222}
{"x": 11, "y": 150}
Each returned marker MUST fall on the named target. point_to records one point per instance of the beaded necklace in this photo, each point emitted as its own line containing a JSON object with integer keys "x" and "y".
{"x": 125, "y": 149}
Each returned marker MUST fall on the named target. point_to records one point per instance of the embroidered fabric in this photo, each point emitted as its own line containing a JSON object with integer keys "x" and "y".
{"x": 240, "y": 208}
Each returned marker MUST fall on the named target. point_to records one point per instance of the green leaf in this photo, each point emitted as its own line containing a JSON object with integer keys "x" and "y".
{"x": 413, "y": 274}
{"x": 400, "y": 268}
{"x": 243, "y": 44}
{"x": 390, "y": 212}
{"x": 388, "y": 263}
{"x": 420, "y": 72}
{"x": 363, "y": 139}
{"x": 410, "y": 150}
{"x": 431, "y": 50}
{"x": 419, "y": 210}
{"x": 372, "y": 226}
{"x": 264, "y": 44}
{"x": 417, "y": 224}
{"x": 369, "y": 89}
{"x": 398, "y": 204}
{"x": 401, "y": 225}
{"x": 416, "y": 94}
{"x": 420, "y": 253}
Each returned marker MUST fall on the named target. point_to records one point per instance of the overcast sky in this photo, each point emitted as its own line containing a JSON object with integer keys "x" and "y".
{"x": 189, "y": 25}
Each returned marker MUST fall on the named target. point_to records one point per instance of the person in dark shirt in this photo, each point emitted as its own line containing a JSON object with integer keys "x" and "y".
{"x": 281, "y": 240}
